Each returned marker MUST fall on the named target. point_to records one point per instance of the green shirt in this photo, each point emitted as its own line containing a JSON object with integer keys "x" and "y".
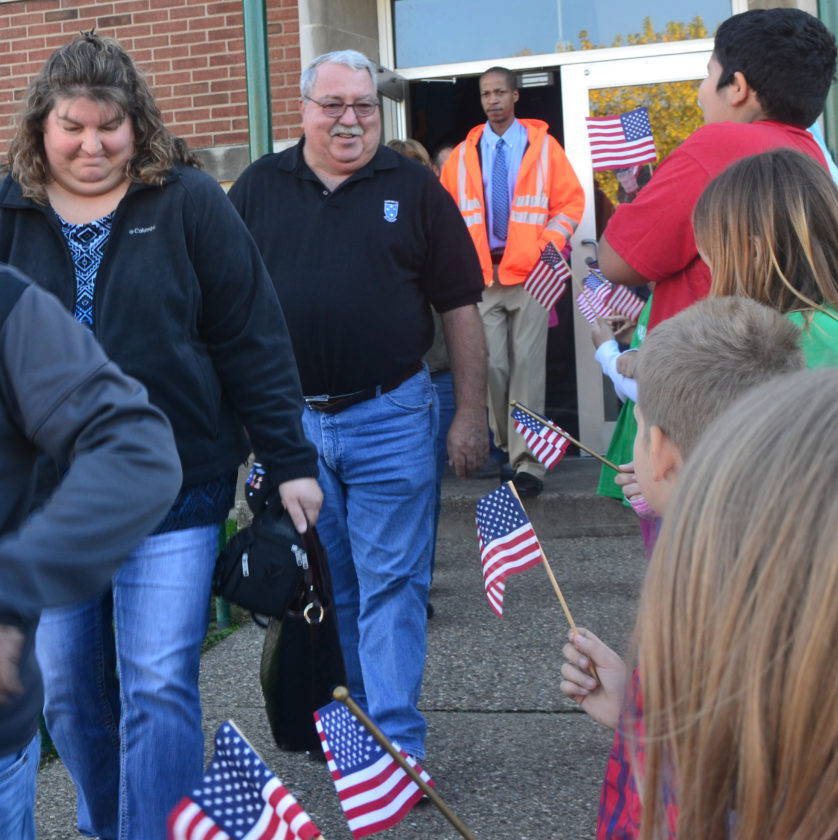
{"x": 819, "y": 339}
{"x": 621, "y": 448}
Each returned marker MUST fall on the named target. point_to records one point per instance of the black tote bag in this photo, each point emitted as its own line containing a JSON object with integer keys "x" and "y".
{"x": 301, "y": 656}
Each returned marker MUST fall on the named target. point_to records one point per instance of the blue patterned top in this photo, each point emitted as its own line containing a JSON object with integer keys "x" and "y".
{"x": 87, "y": 243}
{"x": 206, "y": 504}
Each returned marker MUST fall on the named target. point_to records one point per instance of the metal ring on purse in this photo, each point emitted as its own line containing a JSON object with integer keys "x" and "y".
{"x": 312, "y": 606}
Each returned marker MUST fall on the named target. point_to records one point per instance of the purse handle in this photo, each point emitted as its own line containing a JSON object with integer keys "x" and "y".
{"x": 318, "y": 582}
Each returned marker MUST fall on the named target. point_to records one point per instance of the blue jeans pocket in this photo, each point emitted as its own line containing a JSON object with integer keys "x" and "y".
{"x": 415, "y": 394}
{"x": 17, "y": 792}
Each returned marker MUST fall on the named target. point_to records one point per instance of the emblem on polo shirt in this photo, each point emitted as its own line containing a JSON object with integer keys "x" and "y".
{"x": 391, "y": 210}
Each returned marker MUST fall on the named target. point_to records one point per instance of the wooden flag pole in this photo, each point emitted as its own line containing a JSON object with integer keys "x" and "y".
{"x": 341, "y": 694}
{"x": 549, "y": 571}
{"x": 556, "y": 586}
{"x": 564, "y": 434}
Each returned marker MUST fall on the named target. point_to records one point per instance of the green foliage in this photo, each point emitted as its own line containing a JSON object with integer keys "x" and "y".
{"x": 673, "y": 31}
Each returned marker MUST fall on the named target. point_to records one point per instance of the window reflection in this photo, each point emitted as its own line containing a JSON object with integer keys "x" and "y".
{"x": 431, "y": 32}
{"x": 674, "y": 114}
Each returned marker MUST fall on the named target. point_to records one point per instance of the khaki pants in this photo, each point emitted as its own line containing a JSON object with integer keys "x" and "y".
{"x": 516, "y": 336}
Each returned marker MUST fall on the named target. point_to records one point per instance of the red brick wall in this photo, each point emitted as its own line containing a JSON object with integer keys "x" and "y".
{"x": 191, "y": 50}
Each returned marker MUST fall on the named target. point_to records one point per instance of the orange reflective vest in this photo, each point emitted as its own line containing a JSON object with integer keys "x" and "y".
{"x": 546, "y": 206}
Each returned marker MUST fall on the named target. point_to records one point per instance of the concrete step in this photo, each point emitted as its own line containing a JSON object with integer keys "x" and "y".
{"x": 567, "y": 507}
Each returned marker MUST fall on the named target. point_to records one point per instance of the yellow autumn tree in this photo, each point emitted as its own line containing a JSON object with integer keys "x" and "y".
{"x": 673, "y": 108}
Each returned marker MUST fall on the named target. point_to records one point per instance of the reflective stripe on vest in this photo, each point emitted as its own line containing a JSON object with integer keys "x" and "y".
{"x": 540, "y": 200}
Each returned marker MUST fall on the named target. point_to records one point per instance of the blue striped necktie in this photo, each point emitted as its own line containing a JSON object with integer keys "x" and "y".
{"x": 500, "y": 192}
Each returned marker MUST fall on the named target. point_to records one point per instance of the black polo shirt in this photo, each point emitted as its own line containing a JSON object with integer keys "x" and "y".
{"x": 357, "y": 268}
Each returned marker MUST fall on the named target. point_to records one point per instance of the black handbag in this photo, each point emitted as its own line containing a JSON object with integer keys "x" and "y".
{"x": 301, "y": 656}
{"x": 261, "y": 568}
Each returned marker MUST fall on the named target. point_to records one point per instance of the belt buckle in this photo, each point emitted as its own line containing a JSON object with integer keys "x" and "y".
{"x": 319, "y": 402}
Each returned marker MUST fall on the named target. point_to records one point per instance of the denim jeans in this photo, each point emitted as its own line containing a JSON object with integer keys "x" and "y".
{"x": 18, "y": 772}
{"x": 133, "y": 745}
{"x": 444, "y": 394}
{"x": 377, "y": 471}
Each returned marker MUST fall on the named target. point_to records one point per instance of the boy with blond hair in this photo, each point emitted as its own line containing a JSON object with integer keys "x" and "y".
{"x": 688, "y": 370}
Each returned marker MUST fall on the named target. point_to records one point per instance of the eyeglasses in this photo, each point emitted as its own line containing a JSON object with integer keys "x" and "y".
{"x": 335, "y": 110}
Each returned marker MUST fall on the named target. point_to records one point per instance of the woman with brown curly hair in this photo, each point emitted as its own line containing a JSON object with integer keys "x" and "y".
{"x": 108, "y": 210}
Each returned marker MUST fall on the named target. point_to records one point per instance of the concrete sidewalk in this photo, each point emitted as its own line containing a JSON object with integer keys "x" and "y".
{"x": 508, "y": 754}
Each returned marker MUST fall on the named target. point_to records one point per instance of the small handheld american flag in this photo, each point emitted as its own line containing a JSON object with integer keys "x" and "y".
{"x": 548, "y": 445}
{"x": 593, "y": 299}
{"x": 508, "y": 543}
{"x": 374, "y": 791}
{"x": 239, "y": 798}
{"x": 601, "y": 299}
{"x": 622, "y": 140}
{"x": 547, "y": 282}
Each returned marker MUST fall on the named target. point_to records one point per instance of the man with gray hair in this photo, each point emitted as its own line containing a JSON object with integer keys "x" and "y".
{"x": 360, "y": 242}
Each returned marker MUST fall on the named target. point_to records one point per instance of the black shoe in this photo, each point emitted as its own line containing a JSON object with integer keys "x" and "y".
{"x": 527, "y": 485}
{"x": 506, "y": 472}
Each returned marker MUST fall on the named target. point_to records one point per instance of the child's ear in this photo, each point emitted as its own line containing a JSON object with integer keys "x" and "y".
{"x": 664, "y": 454}
{"x": 742, "y": 96}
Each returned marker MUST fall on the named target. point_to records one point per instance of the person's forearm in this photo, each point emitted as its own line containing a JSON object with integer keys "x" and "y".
{"x": 607, "y": 355}
{"x": 468, "y": 436}
{"x": 615, "y": 268}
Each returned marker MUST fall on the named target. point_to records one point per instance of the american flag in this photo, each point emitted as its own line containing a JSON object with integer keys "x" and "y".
{"x": 622, "y": 140}
{"x": 593, "y": 300}
{"x": 374, "y": 791}
{"x": 625, "y": 302}
{"x": 239, "y": 798}
{"x": 602, "y": 298}
{"x": 508, "y": 543}
{"x": 545, "y": 443}
{"x": 548, "y": 280}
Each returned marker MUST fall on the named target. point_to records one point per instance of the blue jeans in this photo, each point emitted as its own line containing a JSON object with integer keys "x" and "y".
{"x": 444, "y": 394}
{"x": 18, "y": 772}
{"x": 377, "y": 471}
{"x": 133, "y": 745}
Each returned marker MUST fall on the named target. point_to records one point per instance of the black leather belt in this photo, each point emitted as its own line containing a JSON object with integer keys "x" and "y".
{"x": 332, "y": 405}
{"x": 497, "y": 255}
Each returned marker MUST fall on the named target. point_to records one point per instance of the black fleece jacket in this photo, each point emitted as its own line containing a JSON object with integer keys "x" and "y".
{"x": 184, "y": 304}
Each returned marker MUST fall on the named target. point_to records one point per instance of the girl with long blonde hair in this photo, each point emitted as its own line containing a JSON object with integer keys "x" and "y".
{"x": 737, "y": 634}
{"x": 768, "y": 229}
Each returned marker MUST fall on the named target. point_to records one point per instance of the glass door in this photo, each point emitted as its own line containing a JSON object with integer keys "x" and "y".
{"x": 665, "y": 79}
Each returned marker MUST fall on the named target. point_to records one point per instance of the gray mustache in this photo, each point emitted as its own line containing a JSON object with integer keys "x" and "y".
{"x": 354, "y": 130}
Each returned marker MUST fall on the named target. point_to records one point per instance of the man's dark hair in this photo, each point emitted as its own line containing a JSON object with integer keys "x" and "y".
{"x": 786, "y": 55}
{"x": 511, "y": 78}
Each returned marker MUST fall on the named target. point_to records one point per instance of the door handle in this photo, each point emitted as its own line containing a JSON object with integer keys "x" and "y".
{"x": 595, "y": 258}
